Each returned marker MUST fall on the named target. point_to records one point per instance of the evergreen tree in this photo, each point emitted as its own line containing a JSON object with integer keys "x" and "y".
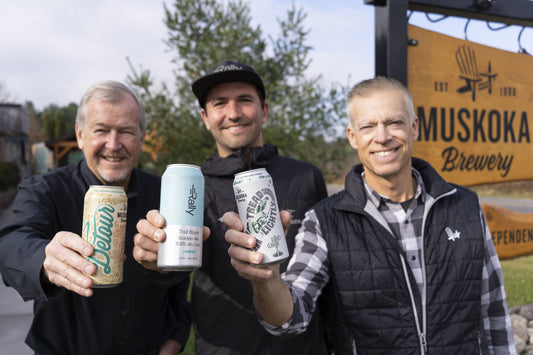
{"x": 58, "y": 121}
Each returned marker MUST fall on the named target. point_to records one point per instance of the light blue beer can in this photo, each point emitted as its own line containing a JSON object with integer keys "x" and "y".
{"x": 182, "y": 205}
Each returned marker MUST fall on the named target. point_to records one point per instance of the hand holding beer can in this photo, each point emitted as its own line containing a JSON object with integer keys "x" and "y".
{"x": 182, "y": 205}
{"x": 105, "y": 212}
{"x": 259, "y": 212}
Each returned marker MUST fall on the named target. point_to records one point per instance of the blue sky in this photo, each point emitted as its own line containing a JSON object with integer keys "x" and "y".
{"x": 52, "y": 50}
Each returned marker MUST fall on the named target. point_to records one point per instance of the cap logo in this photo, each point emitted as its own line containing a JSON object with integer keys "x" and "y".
{"x": 227, "y": 68}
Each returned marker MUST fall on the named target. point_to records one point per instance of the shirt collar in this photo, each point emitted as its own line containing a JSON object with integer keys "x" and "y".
{"x": 377, "y": 199}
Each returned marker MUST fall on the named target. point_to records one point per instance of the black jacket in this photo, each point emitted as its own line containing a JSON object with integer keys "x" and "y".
{"x": 223, "y": 312}
{"x": 136, "y": 316}
{"x": 373, "y": 292}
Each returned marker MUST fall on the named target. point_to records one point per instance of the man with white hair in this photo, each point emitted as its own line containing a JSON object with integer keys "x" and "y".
{"x": 43, "y": 256}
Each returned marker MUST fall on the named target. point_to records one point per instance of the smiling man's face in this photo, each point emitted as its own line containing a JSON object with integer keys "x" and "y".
{"x": 111, "y": 139}
{"x": 235, "y": 116}
{"x": 383, "y": 133}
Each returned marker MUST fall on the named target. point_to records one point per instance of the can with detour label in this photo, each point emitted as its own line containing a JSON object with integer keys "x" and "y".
{"x": 182, "y": 205}
{"x": 259, "y": 212}
{"x": 105, "y": 211}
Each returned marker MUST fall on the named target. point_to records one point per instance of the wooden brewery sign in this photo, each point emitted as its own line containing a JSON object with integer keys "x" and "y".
{"x": 512, "y": 232}
{"x": 475, "y": 109}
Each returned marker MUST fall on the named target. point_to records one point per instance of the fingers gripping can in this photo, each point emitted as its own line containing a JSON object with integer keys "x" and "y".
{"x": 182, "y": 205}
{"x": 259, "y": 212}
{"x": 105, "y": 212}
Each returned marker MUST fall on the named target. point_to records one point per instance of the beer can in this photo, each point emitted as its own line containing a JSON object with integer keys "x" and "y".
{"x": 105, "y": 213}
{"x": 182, "y": 205}
{"x": 259, "y": 212}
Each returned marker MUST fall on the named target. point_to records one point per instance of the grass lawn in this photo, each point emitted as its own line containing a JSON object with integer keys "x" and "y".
{"x": 518, "y": 278}
{"x": 189, "y": 348}
{"x": 517, "y": 273}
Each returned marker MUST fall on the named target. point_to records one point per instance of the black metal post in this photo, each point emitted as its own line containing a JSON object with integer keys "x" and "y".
{"x": 391, "y": 40}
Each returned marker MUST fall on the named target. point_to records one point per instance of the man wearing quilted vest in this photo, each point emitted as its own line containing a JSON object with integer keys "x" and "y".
{"x": 404, "y": 259}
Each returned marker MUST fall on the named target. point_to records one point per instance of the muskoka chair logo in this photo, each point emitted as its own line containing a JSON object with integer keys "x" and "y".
{"x": 474, "y": 79}
{"x": 453, "y": 236}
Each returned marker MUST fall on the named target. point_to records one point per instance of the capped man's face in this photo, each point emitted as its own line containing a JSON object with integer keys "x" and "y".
{"x": 234, "y": 115}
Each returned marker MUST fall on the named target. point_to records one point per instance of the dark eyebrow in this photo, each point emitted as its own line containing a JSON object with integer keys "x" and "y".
{"x": 246, "y": 96}
{"x": 223, "y": 98}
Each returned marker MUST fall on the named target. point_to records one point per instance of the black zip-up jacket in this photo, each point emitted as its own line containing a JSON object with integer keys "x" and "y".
{"x": 223, "y": 312}
{"x": 135, "y": 317}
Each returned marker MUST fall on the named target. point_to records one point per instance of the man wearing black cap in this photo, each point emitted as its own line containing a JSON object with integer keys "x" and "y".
{"x": 232, "y": 100}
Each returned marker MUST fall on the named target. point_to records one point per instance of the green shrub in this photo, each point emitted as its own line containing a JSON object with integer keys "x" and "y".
{"x": 9, "y": 175}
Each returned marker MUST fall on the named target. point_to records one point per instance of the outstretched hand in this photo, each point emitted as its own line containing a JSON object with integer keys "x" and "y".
{"x": 272, "y": 297}
{"x": 150, "y": 233}
{"x": 244, "y": 260}
{"x": 65, "y": 264}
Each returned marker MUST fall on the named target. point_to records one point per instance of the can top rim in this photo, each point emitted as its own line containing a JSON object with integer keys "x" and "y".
{"x": 253, "y": 171}
{"x": 184, "y": 166}
{"x": 106, "y": 187}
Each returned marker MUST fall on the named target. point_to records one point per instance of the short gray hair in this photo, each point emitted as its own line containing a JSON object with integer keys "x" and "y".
{"x": 111, "y": 91}
{"x": 367, "y": 87}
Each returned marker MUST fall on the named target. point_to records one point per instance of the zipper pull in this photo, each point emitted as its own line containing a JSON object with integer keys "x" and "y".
{"x": 423, "y": 342}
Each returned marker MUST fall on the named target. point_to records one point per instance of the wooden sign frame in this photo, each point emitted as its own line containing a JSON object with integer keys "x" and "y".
{"x": 391, "y": 60}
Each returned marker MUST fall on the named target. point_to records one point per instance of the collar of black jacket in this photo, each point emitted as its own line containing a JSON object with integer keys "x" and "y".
{"x": 91, "y": 179}
{"x": 260, "y": 157}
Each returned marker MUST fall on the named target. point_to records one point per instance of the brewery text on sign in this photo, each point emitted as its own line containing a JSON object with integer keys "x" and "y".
{"x": 475, "y": 109}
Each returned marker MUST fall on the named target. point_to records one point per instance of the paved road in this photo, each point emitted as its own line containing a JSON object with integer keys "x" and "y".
{"x": 516, "y": 205}
{"x": 15, "y": 320}
{"x": 16, "y": 315}
{"x": 513, "y": 204}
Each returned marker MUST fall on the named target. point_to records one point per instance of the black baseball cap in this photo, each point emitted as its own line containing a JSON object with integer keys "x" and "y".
{"x": 223, "y": 73}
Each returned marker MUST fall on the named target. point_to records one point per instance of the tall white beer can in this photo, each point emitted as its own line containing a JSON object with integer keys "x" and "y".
{"x": 259, "y": 212}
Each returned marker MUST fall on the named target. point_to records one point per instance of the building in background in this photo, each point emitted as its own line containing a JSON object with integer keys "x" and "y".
{"x": 42, "y": 158}
{"x": 14, "y": 138}
{"x": 65, "y": 149}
